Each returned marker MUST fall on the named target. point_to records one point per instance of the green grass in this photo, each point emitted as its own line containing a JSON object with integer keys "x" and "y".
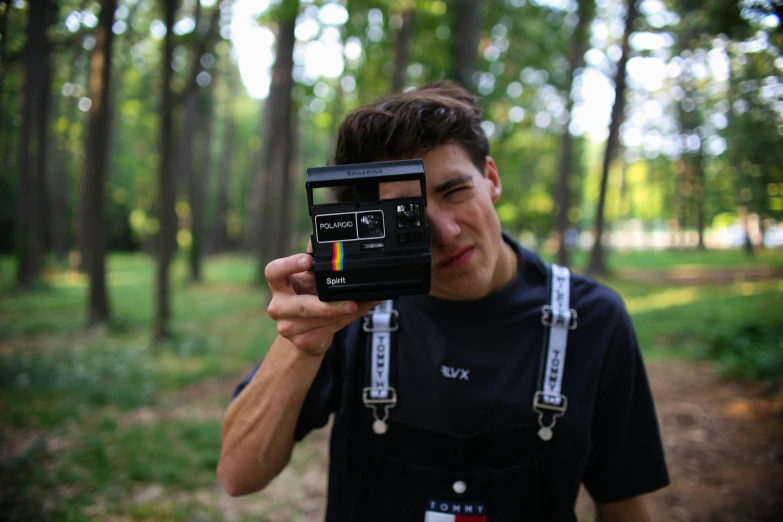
{"x": 740, "y": 325}
{"x": 61, "y": 383}
{"x": 58, "y": 383}
{"x": 179, "y": 454}
{"x": 52, "y": 369}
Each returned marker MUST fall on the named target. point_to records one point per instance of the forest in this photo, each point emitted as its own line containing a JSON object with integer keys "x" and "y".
{"x": 152, "y": 162}
{"x": 185, "y": 129}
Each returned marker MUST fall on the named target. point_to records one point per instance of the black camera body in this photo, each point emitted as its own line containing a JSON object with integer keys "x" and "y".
{"x": 369, "y": 249}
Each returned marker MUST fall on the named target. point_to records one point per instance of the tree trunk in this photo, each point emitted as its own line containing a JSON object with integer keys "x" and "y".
{"x": 197, "y": 181}
{"x": 465, "y": 41}
{"x": 699, "y": 189}
{"x": 404, "y": 36}
{"x": 219, "y": 240}
{"x": 3, "y": 41}
{"x": 682, "y": 203}
{"x": 576, "y": 62}
{"x": 276, "y": 233}
{"x": 95, "y": 175}
{"x": 187, "y": 173}
{"x": 193, "y": 121}
{"x": 28, "y": 249}
{"x": 294, "y": 170}
{"x": 166, "y": 181}
{"x": 597, "y": 263}
{"x": 220, "y": 230}
{"x": 334, "y": 128}
{"x": 60, "y": 186}
{"x": 747, "y": 243}
{"x": 42, "y": 156}
{"x": 59, "y": 213}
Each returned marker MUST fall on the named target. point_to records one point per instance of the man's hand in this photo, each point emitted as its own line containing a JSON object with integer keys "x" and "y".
{"x": 301, "y": 317}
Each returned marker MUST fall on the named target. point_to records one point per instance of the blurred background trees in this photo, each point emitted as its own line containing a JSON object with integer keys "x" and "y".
{"x": 185, "y": 126}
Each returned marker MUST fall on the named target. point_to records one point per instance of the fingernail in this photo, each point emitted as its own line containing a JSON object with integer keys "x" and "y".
{"x": 349, "y": 307}
{"x": 303, "y": 261}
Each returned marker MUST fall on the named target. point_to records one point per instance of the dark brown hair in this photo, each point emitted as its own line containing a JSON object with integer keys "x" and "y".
{"x": 403, "y": 124}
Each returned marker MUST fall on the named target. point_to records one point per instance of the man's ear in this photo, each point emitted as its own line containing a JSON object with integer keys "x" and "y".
{"x": 491, "y": 173}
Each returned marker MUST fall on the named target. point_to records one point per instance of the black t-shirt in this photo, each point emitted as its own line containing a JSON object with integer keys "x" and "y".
{"x": 471, "y": 369}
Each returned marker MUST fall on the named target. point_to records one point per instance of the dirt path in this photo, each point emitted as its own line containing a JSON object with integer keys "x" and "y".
{"x": 724, "y": 446}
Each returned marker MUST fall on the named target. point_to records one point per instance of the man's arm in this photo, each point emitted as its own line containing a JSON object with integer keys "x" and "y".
{"x": 631, "y": 510}
{"x": 258, "y": 429}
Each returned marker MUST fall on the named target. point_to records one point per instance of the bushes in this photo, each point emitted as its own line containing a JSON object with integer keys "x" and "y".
{"x": 750, "y": 347}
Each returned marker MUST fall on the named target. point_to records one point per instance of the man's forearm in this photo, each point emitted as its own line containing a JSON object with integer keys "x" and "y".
{"x": 631, "y": 510}
{"x": 258, "y": 429}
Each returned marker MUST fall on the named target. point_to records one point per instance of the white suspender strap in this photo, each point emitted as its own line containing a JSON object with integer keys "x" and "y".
{"x": 381, "y": 322}
{"x": 558, "y": 332}
{"x": 560, "y": 318}
{"x": 381, "y": 335}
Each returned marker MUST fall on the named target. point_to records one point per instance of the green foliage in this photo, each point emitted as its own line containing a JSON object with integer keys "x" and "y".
{"x": 739, "y": 326}
{"x": 750, "y": 346}
{"x": 43, "y": 389}
{"x": 59, "y": 373}
{"x": 180, "y": 453}
{"x": 31, "y": 482}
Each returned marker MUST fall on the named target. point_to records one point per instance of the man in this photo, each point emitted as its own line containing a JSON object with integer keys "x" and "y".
{"x": 471, "y": 432}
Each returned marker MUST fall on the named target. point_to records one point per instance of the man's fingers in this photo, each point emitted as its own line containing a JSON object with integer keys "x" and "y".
{"x": 309, "y": 307}
{"x": 314, "y": 339}
{"x": 303, "y": 283}
{"x": 278, "y": 271}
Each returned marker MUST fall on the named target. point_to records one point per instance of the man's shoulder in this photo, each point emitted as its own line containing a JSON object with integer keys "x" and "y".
{"x": 593, "y": 294}
{"x": 585, "y": 290}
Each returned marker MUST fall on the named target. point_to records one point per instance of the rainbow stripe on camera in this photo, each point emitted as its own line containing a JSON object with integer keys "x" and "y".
{"x": 338, "y": 254}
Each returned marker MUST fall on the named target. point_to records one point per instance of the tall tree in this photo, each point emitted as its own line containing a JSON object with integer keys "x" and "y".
{"x": 3, "y": 46}
{"x": 95, "y": 176}
{"x": 465, "y": 40}
{"x": 586, "y": 12}
{"x": 219, "y": 240}
{"x": 276, "y": 229}
{"x": 43, "y": 109}
{"x": 27, "y": 220}
{"x": 204, "y": 34}
{"x": 597, "y": 264}
{"x": 166, "y": 180}
{"x": 404, "y": 37}
{"x": 60, "y": 172}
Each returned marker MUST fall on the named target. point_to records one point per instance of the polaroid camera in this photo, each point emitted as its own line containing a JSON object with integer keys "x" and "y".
{"x": 366, "y": 248}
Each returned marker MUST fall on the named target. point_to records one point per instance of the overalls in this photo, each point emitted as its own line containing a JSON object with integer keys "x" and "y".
{"x": 417, "y": 475}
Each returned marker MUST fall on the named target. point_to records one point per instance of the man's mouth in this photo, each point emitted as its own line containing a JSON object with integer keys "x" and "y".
{"x": 457, "y": 259}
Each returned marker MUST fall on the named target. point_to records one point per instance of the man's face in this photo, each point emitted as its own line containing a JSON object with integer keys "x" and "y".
{"x": 465, "y": 234}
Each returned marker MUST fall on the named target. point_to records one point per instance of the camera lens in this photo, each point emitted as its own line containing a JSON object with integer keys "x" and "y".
{"x": 370, "y": 224}
{"x": 408, "y": 216}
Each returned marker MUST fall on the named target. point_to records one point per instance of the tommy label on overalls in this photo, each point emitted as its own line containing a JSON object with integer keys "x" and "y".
{"x": 442, "y": 511}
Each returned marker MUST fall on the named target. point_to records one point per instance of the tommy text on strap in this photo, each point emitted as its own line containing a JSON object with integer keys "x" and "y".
{"x": 381, "y": 322}
{"x": 559, "y": 318}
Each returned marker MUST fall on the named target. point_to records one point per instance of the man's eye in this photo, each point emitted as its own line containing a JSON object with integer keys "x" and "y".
{"x": 455, "y": 190}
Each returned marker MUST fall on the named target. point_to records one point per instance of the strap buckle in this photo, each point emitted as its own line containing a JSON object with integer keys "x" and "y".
{"x": 554, "y": 402}
{"x": 379, "y": 426}
{"x": 558, "y": 317}
{"x": 370, "y": 401}
{"x": 394, "y": 321}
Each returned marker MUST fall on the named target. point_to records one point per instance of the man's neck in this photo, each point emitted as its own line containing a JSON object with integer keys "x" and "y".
{"x": 506, "y": 268}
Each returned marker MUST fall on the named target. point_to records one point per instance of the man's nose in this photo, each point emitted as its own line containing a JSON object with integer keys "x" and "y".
{"x": 444, "y": 229}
